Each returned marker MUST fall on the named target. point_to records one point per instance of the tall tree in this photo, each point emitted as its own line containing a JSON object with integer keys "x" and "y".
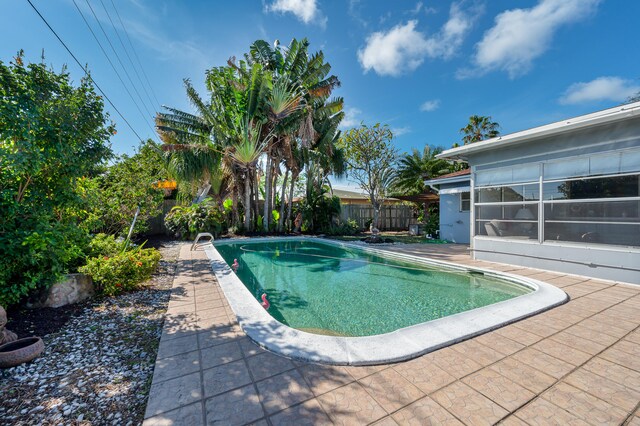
{"x": 370, "y": 157}
{"x": 479, "y": 128}
{"x": 281, "y": 95}
{"x": 306, "y": 124}
{"x": 53, "y": 133}
{"x": 415, "y": 168}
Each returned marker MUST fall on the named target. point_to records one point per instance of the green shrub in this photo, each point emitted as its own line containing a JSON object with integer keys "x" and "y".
{"x": 187, "y": 221}
{"x": 104, "y": 245}
{"x": 350, "y": 227}
{"x": 319, "y": 212}
{"x": 114, "y": 196}
{"x": 37, "y": 253}
{"x": 122, "y": 271}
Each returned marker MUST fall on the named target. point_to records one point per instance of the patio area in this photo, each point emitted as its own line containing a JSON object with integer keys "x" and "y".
{"x": 575, "y": 364}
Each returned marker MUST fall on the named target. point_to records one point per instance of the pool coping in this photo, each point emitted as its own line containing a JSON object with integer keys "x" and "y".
{"x": 395, "y": 346}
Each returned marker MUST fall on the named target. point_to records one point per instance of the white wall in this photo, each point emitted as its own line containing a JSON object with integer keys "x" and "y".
{"x": 454, "y": 224}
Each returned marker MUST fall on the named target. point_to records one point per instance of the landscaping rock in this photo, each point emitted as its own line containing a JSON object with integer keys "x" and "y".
{"x": 75, "y": 288}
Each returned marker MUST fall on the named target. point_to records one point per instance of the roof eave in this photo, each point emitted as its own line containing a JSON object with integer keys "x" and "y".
{"x": 608, "y": 116}
{"x": 454, "y": 179}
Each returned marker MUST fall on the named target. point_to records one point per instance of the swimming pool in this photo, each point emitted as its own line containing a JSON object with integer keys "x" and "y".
{"x": 339, "y": 303}
{"x": 327, "y": 289}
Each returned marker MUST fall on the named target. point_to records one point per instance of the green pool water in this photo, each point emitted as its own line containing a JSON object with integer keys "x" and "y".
{"x": 327, "y": 289}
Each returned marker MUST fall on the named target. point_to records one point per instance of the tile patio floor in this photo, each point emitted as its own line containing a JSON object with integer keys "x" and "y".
{"x": 576, "y": 364}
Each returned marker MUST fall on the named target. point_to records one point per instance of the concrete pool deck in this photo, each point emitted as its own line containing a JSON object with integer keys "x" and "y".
{"x": 575, "y": 364}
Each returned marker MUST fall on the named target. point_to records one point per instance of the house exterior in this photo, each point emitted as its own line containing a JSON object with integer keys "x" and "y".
{"x": 455, "y": 205}
{"x": 563, "y": 197}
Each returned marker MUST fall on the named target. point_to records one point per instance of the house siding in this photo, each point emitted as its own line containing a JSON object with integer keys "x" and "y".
{"x": 454, "y": 224}
{"x": 613, "y": 262}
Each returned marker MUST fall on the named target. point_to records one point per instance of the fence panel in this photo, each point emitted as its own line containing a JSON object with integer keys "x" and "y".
{"x": 396, "y": 217}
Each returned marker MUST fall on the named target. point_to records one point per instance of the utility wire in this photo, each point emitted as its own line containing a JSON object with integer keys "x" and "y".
{"x": 86, "y": 72}
{"x": 144, "y": 88}
{"x": 118, "y": 58}
{"x": 112, "y": 66}
{"x": 135, "y": 54}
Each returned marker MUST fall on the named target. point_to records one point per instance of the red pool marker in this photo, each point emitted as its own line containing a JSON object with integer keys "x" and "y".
{"x": 265, "y": 303}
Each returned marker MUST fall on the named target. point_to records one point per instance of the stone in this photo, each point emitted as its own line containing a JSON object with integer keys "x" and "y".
{"x": 75, "y": 288}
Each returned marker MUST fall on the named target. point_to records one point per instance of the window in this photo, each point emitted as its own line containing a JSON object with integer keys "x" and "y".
{"x": 465, "y": 201}
{"x": 569, "y": 205}
{"x": 600, "y": 210}
{"x": 509, "y": 211}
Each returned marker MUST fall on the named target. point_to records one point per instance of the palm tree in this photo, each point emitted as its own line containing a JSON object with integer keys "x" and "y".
{"x": 190, "y": 152}
{"x": 245, "y": 155}
{"x": 306, "y": 76}
{"x": 281, "y": 98}
{"x": 479, "y": 128}
{"x": 415, "y": 168}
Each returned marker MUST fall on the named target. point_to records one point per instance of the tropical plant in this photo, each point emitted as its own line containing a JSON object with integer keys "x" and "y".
{"x": 187, "y": 221}
{"x": 52, "y": 134}
{"x": 415, "y": 168}
{"x": 370, "y": 157}
{"x": 319, "y": 209}
{"x": 274, "y": 102}
{"x": 478, "y": 129}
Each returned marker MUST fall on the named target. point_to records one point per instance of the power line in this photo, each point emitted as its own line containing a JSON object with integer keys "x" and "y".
{"x": 85, "y": 71}
{"x": 118, "y": 57}
{"x": 135, "y": 54}
{"x": 111, "y": 63}
{"x": 135, "y": 70}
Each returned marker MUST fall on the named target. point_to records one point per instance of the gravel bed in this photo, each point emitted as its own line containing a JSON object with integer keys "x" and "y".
{"x": 97, "y": 368}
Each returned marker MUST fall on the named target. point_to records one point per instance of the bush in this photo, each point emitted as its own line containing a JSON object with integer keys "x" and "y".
{"x": 187, "y": 221}
{"x": 319, "y": 212}
{"x": 36, "y": 254}
{"x": 104, "y": 245}
{"x": 350, "y": 227}
{"x": 113, "y": 197}
{"x": 123, "y": 271}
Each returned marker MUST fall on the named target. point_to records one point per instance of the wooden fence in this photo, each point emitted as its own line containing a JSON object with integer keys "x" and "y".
{"x": 395, "y": 217}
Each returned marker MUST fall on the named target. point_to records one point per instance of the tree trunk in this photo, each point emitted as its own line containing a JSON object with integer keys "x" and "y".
{"x": 247, "y": 201}
{"x": 284, "y": 187}
{"x": 376, "y": 213}
{"x": 256, "y": 198}
{"x": 267, "y": 193}
{"x": 294, "y": 176}
{"x": 234, "y": 208}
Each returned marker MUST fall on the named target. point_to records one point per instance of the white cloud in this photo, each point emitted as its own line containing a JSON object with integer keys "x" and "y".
{"x": 399, "y": 131}
{"x": 431, "y": 105}
{"x": 403, "y": 48}
{"x": 351, "y": 118}
{"x": 392, "y": 53}
{"x": 305, "y": 10}
{"x": 521, "y": 35}
{"x": 418, "y": 8}
{"x": 613, "y": 89}
{"x": 450, "y": 37}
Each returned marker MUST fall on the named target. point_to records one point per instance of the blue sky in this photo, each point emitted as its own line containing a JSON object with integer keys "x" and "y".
{"x": 422, "y": 67}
